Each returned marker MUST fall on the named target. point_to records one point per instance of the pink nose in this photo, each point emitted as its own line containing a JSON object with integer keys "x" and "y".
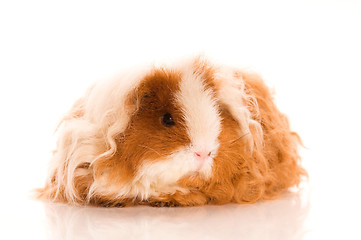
{"x": 202, "y": 155}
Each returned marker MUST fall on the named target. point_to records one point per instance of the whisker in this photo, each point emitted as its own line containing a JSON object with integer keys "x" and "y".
{"x": 151, "y": 150}
{"x": 233, "y": 141}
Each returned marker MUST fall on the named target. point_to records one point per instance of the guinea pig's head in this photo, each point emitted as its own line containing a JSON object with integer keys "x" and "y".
{"x": 172, "y": 133}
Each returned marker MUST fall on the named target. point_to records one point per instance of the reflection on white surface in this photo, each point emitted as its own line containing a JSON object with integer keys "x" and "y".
{"x": 278, "y": 219}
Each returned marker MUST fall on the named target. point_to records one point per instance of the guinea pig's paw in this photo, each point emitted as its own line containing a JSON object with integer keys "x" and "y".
{"x": 115, "y": 205}
{"x": 163, "y": 204}
{"x": 110, "y": 203}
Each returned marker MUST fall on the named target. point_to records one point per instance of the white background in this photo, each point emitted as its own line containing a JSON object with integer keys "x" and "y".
{"x": 308, "y": 51}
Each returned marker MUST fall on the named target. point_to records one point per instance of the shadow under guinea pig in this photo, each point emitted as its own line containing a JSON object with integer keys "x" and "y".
{"x": 278, "y": 219}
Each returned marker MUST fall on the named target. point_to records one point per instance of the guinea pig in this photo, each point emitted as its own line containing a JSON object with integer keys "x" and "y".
{"x": 187, "y": 134}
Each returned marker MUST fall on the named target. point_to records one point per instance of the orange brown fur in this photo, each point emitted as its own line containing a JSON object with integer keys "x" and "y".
{"x": 240, "y": 173}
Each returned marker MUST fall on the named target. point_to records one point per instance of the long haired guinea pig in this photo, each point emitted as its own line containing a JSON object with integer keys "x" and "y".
{"x": 190, "y": 134}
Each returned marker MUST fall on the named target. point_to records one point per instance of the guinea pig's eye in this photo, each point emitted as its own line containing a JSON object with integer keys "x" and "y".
{"x": 167, "y": 120}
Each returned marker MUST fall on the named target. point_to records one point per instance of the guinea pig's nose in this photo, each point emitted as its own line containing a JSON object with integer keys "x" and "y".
{"x": 202, "y": 155}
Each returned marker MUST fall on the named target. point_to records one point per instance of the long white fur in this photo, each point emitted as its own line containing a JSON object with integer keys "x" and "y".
{"x": 154, "y": 179}
{"x": 232, "y": 93}
{"x": 104, "y": 117}
{"x": 200, "y": 111}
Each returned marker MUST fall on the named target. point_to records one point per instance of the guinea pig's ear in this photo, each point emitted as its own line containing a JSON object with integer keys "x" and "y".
{"x": 233, "y": 94}
{"x": 134, "y": 99}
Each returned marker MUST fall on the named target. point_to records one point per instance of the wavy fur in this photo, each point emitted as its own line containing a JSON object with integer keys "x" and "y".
{"x": 103, "y": 159}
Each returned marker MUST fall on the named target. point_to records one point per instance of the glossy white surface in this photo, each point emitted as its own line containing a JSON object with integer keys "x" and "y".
{"x": 309, "y": 51}
{"x": 284, "y": 219}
